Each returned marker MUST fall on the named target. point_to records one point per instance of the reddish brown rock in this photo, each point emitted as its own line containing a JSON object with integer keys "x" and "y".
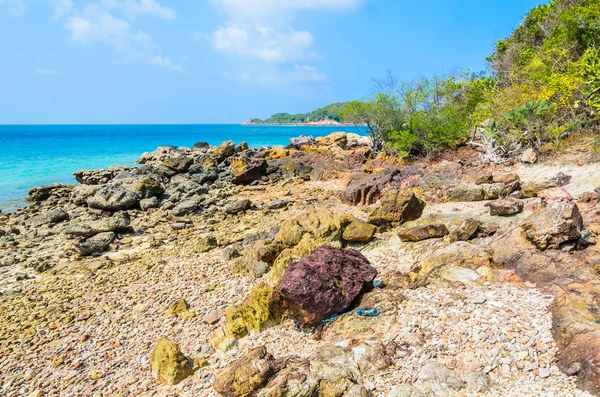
{"x": 505, "y": 207}
{"x": 321, "y": 284}
{"x": 557, "y": 223}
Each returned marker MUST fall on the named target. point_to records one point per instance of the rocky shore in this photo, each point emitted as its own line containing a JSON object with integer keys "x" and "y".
{"x": 316, "y": 269}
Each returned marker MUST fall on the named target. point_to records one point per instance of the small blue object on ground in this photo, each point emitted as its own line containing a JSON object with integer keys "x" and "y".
{"x": 368, "y": 312}
{"x": 377, "y": 283}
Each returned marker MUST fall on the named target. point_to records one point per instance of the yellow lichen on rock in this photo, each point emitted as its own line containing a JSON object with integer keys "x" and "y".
{"x": 168, "y": 364}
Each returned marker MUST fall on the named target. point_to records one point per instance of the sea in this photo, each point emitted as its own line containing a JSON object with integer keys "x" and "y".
{"x": 35, "y": 155}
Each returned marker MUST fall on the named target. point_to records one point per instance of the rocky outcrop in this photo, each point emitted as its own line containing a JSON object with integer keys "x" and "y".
{"x": 42, "y": 193}
{"x": 168, "y": 364}
{"x": 396, "y": 208}
{"x": 95, "y": 244}
{"x": 557, "y": 223}
{"x": 178, "y": 164}
{"x": 323, "y": 283}
{"x": 465, "y": 231}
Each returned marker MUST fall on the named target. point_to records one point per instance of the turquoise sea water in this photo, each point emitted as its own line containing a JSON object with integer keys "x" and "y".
{"x": 34, "y": 155}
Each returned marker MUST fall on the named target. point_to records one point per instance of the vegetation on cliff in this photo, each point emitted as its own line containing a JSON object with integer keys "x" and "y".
{"x": 330, "y": 112}
{"x": 544, "y": 83}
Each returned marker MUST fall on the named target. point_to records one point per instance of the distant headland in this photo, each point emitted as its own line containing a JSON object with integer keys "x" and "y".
{"x": 330, "y": 115}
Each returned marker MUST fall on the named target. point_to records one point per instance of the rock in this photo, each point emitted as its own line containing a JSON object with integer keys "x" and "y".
{"x": 465, "y": 231}
{"x": 505, "y": 207}
{"x": 223, "y": 151}
{"x": 168, "y": 364}
{"x": 529, "y": 156}
{"x": 396, "y": 208}
{"x": 302, "y": 140}
{"x": 149, "y": 187}
{"x": 295, "y": 380}
{"x": 251, "y": 266}
{"x": 359, "y": 231}
{"x": 200, "y": 145}
{"x": 42, "y": 193}
{"x": 95, "y": 244}
{"x": 115, "y": 223}
{"x": 206, "y": 244}
{"x": 561, "y": 179}
{"x": 478, "y": 382}
{"x": 178, "y": 163}
{"x": 323, "y": 283}
{"x": 424, "y": 232}
{"x": 185, "y": 207}
{"x": 334, "y": 139}
{"x": 366, "y": 190}
{"x": 243, "y": 146}
{"x": 180, "y": 308}
{"x": 355, "y": 140}
{"x": 276, "y": 204}
{"x": 545, "y": 372}
{"x": 245, "y": 376}
{"x": 81, "y": 193}
{"x": 435, "y": 377}
{"x": 238, "y": 206}
{"x": 148, "y": 203}
{"x": 49, "y": 217}
{"x": 466, "y": 192}
{"x": 405, "y": 391}
{"x": 111, "y": 198}
{"x": 531, "y": 188}
{"x": 557, "y": 223}
{"x": 213, "y": 316}
{"x": 246, "y": 169}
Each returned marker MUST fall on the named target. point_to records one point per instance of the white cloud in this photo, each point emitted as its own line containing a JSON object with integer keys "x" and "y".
{"x": 279, "y": 76}
{"x": 14, "y": 7}
{"x": 166, "y": 63}
{"x": 133, "y": 8}
{"x": 264, "y": 43}
{"x": 94, "y": 24}
{"x": 261, "y": 9}
{"x": 45, "y": 72}
{"x": 261, "y": 30}
{"x": 62, "y": 8}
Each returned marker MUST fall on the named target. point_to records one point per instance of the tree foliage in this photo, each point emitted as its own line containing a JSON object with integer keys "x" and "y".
{"x": 329, "y": 112}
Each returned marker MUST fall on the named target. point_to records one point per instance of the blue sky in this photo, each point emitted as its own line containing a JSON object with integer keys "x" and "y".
{"x": 224, "y": 61}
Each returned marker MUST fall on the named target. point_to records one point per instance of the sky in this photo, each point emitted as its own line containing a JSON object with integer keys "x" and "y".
{"x": 225, "y": 61}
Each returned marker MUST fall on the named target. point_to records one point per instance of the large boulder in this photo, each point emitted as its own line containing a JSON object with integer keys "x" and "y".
{"x": 168, "y": 364}
{"x": 419, "y": 233}
{"x": 238, "y": 206}
{"x": 246, "y": 169}
{"x": 112, "y": 198}
{"x": 115, "y": 223}
{"x": 223, "y": 151}
{"x": 323, "y": 283}
{"x": 557, "y": 223}
{"x": 396, "y": 208}
{"x": 301, "y": 141}
{"x": 248, "y": 374}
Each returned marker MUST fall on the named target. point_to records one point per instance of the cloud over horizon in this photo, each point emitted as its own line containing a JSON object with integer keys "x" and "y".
{"x": 261, "y": 30}
{"x": 95, "y": 23}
